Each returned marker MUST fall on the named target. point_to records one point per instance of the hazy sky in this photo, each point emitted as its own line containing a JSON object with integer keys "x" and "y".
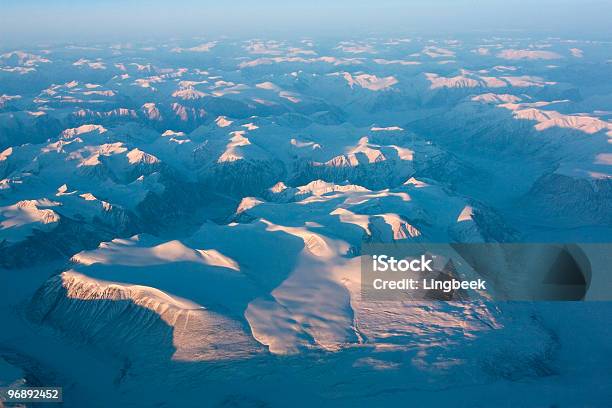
{"x": 22, "y": 21}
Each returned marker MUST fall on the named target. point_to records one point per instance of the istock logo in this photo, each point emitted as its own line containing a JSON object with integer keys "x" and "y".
{"x": 384, "y": 263}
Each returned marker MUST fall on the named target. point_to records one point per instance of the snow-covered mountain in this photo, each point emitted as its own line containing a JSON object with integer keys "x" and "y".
{"x": 187, "y": 222}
